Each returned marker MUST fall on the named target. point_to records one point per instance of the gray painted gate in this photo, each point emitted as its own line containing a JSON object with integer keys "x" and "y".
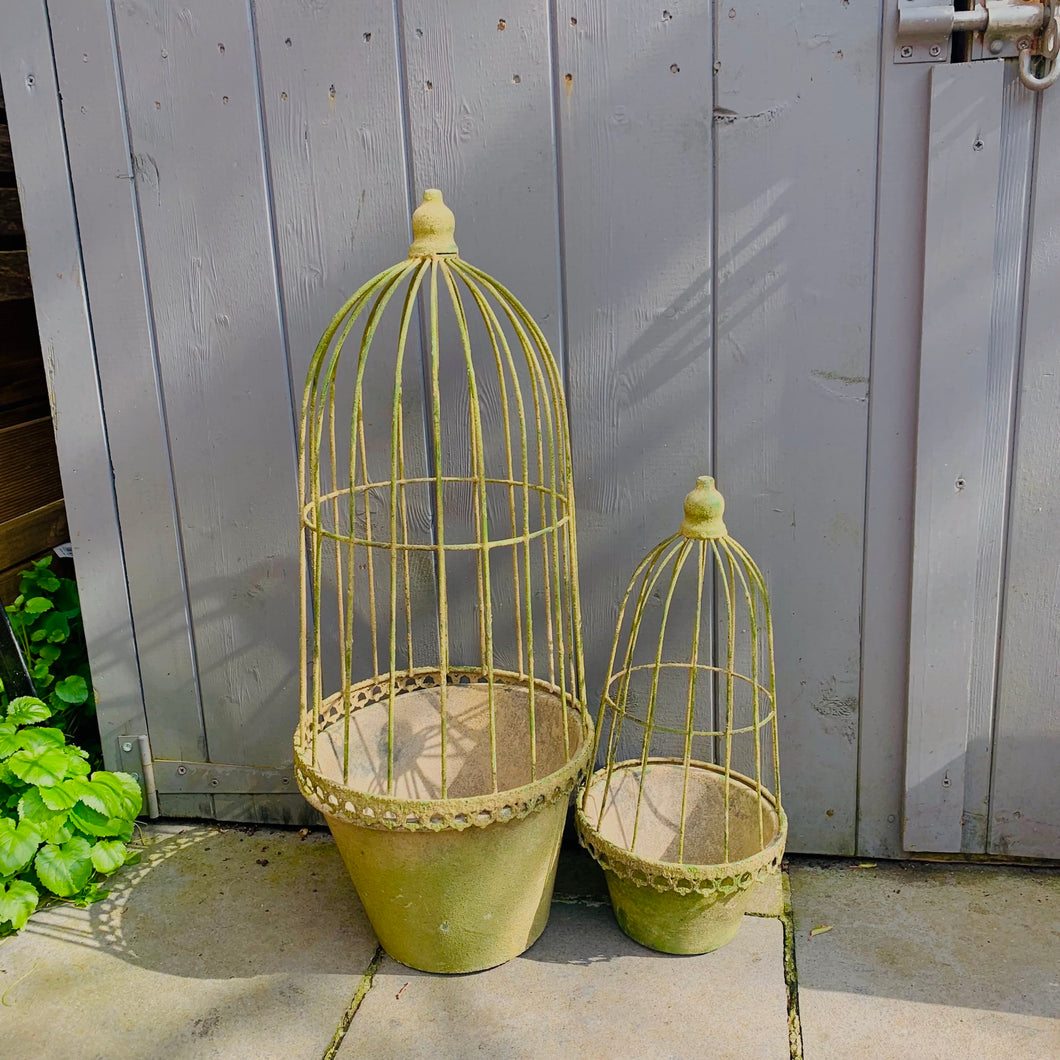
{"x": 717, "y": 215}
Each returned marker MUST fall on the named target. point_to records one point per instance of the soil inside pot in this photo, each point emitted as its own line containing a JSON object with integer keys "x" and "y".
{"x": 417, "y": 767}
{"x": 753, "y": 823}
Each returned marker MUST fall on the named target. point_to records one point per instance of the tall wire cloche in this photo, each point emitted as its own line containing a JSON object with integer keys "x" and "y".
{"x": 442, "y": 679}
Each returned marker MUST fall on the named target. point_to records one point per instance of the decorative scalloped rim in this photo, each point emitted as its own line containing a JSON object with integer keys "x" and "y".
{"x": 335, "y": 799}
{"x": 719, "y": 880}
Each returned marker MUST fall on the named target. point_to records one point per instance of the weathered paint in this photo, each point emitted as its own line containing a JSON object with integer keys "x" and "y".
{"x": 795, "y": 170}
{"x": 31, "y": 98}
{"x": 1026, "y": 782}
{"x": 964, "y": 153}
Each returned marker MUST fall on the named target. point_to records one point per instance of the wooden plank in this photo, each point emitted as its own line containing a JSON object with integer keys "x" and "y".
{"x": 32, "y": 533}
{"x": 7, "y": 162}
{"x": 290, "y": 810}
{"x": 33, "y": 111}
{"x": 633, "y": 92}
{"x": 964, "y": 151}
{"x": 18, "y": 329}
{"x": 29, "y": 467}
{"x": 331, "y": 93}
{"x": 795, "y": 111}
{"x": 10, "y": 213}
{"x": 11, "y": 577}
{"x": 23, "y": 388}
{"x": 127, "y": 362}
{"x": 195, "y": 137}
{"x": 1026, "y": 783}
{"x": 897, "y": 290}
{"x": 1018, "y": 127}
{"x": 14, "y": 275}
{"x": 480, "y": 127}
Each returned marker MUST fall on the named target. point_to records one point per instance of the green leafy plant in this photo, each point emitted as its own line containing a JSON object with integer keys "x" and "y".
{"x": 62, "y": 826}
{"x": 46, "y": 618}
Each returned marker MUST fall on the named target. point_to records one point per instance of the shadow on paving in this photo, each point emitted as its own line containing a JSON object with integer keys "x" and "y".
{"x": 220, "y": 902}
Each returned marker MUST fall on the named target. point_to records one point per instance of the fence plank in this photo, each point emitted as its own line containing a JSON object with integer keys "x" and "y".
{"x": 33, "y": 112}
{"x": 633, "y": 94}
{"x": 1026, "y": 782}
{"x": 795, "y": 147}
{"x": 127, "y": 359}
{"x": 480, "y": 123}
{"x": 331, "y": 92}
{"x": 964, "y": 140}
{"x": 195, "y": 138}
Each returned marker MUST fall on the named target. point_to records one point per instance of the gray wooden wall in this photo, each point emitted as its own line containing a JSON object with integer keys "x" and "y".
{"x": 715, "y": 223}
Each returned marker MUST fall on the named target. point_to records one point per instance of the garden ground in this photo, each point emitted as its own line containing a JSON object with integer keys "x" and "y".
{"x": 243, "y": 942}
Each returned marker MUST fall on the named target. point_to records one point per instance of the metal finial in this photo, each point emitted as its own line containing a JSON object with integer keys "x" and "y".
{"x": 433, "y": 225}
{"x": 704, "y": 508}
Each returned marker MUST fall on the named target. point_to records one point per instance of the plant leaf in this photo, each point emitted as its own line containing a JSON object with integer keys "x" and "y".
{"x": 18, "y": 899}
{"x": 65, "y": 869}
{"x": 78, "y": 767}
{"x": 95, "y": 824}
{"x": 57, "y": 797}
{"x": 58, "y": 830}
{"x": 31, "y": 807}
{"x": 125, "y": 786}
{"x": 18, "y": 844}
{"x": 98, "y": 797}
{"x": 45, "y": 768}
{"x": 37, "y": 605}
{"x": 73, "y": 689}
{"x": 9, "y": 742}
{"x": 41, "y": 739}
{"x": 108, "y": 855}
{"x": 27, "y": 710}
{"x": 65, "y": 598}
{"x": 820, "y": 929}
{"x": 55, "y": 627}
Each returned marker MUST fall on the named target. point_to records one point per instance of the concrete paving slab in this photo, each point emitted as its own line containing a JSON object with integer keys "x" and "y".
{"x": 223, "y": 942}
{"x": 585, "y": 990}
{"x": 927, "y": 962}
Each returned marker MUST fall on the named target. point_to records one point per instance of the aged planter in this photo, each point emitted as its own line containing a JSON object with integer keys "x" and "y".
{"x": 690, "y": 907}
{"x": 462, "y": 883}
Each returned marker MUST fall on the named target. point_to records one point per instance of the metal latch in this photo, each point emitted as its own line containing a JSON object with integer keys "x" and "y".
{"x": 1027, "y": 29}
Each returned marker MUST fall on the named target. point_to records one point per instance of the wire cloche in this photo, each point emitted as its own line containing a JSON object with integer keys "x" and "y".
{"x": 685, "y": 814}
{"x": 443, "y": 724}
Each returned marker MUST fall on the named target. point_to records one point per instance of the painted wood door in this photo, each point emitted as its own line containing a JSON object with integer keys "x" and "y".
{"x": 770, "y": 254}
{"x": 984, "y": 707}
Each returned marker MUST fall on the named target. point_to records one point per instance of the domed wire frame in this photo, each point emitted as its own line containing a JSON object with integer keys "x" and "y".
{"x": 725, "y": 703}
{"x": 391, "y": 548}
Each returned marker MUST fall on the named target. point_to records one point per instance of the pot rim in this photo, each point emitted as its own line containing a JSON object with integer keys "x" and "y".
{"x": 722, "y": 878}
{"x": 388, "y": 813}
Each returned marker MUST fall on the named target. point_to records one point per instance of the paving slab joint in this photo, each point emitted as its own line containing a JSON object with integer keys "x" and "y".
{"x": 347, "y": 1017}
{"x": 791, "y": 977}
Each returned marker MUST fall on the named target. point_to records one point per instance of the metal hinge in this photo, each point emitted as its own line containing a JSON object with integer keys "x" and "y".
{"x": 1025, "y": 29}
{"x": 134, "y": 752}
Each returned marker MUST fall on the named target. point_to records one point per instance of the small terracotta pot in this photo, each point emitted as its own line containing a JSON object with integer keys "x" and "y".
{"x": 695, "y": 904}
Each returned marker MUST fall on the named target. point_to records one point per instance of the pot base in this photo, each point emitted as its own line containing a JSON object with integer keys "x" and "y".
{"x": 456, "y": 901}
{"x": 670, "y": 905}
{"x": 461, "y": 883}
